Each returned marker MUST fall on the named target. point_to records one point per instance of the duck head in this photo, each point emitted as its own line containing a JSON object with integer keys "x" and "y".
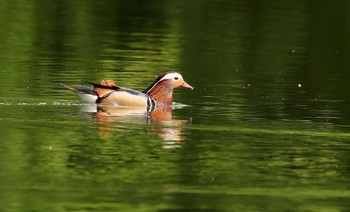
{"x": 161, "y": 90}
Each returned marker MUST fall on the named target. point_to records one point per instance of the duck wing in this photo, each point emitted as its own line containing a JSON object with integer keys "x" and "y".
{"x": 105, "y": 88}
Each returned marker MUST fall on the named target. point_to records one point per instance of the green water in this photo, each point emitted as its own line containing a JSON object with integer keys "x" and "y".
{"x": 267, "y": 127}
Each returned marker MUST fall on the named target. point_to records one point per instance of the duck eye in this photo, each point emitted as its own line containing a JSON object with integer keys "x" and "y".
{"x": 176, "y": 78}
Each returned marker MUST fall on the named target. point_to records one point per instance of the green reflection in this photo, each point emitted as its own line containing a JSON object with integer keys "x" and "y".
{"x": 250, "y": 138}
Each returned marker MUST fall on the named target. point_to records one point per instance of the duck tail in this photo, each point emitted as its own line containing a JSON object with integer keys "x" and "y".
{"x": 86, "y": 94}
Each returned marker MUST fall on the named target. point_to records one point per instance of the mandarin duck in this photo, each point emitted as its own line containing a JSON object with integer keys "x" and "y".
{"x": 159, "y": 93}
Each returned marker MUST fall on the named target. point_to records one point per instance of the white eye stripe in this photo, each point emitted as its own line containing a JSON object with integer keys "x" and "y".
{"x": 172, "y": 76}
{"x": 169, "y": 76}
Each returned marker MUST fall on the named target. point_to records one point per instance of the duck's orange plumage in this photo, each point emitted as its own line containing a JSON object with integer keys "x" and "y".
{"x": 108, "y": 87}
{"x": 159, "y": 93}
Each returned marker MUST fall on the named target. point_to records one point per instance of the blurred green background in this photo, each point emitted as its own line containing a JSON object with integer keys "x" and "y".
{"x": 265, "y": 129}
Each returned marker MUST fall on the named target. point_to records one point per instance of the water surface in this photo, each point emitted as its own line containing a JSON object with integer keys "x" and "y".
{"x": 265, "y": 129}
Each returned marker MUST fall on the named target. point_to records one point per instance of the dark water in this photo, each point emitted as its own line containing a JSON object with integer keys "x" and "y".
{"x": 265, "y": 129}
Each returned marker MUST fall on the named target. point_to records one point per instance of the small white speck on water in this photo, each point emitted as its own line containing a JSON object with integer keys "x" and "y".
{"x": 243, "y": 87}
{"x": 293, "y": 51}
{"x": 50, "y": 147}
{"x": 248, "y": 85}
{"x": 236, "y": 70}
{"x": 299, "y": 85}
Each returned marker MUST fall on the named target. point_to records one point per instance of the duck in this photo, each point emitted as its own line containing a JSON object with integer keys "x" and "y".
{"x": 158, "y": 94}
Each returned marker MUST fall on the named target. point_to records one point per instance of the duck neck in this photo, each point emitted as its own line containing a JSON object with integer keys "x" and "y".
{"x": 162, "y": 93}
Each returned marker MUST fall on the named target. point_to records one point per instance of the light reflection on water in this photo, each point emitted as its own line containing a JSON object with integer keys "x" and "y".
{"x": 165, "y": 126}
{"x": 110, "y": 118}
{"x": 249, "y": 137}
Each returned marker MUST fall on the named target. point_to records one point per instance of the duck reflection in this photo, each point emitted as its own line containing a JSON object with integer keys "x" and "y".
{"x": 171, "y": 130}
{"x": 160, "y": 119}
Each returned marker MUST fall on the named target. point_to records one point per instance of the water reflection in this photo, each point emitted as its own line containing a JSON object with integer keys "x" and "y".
{"x": 170, "y": 130}
{"x": 161, "y": 121}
